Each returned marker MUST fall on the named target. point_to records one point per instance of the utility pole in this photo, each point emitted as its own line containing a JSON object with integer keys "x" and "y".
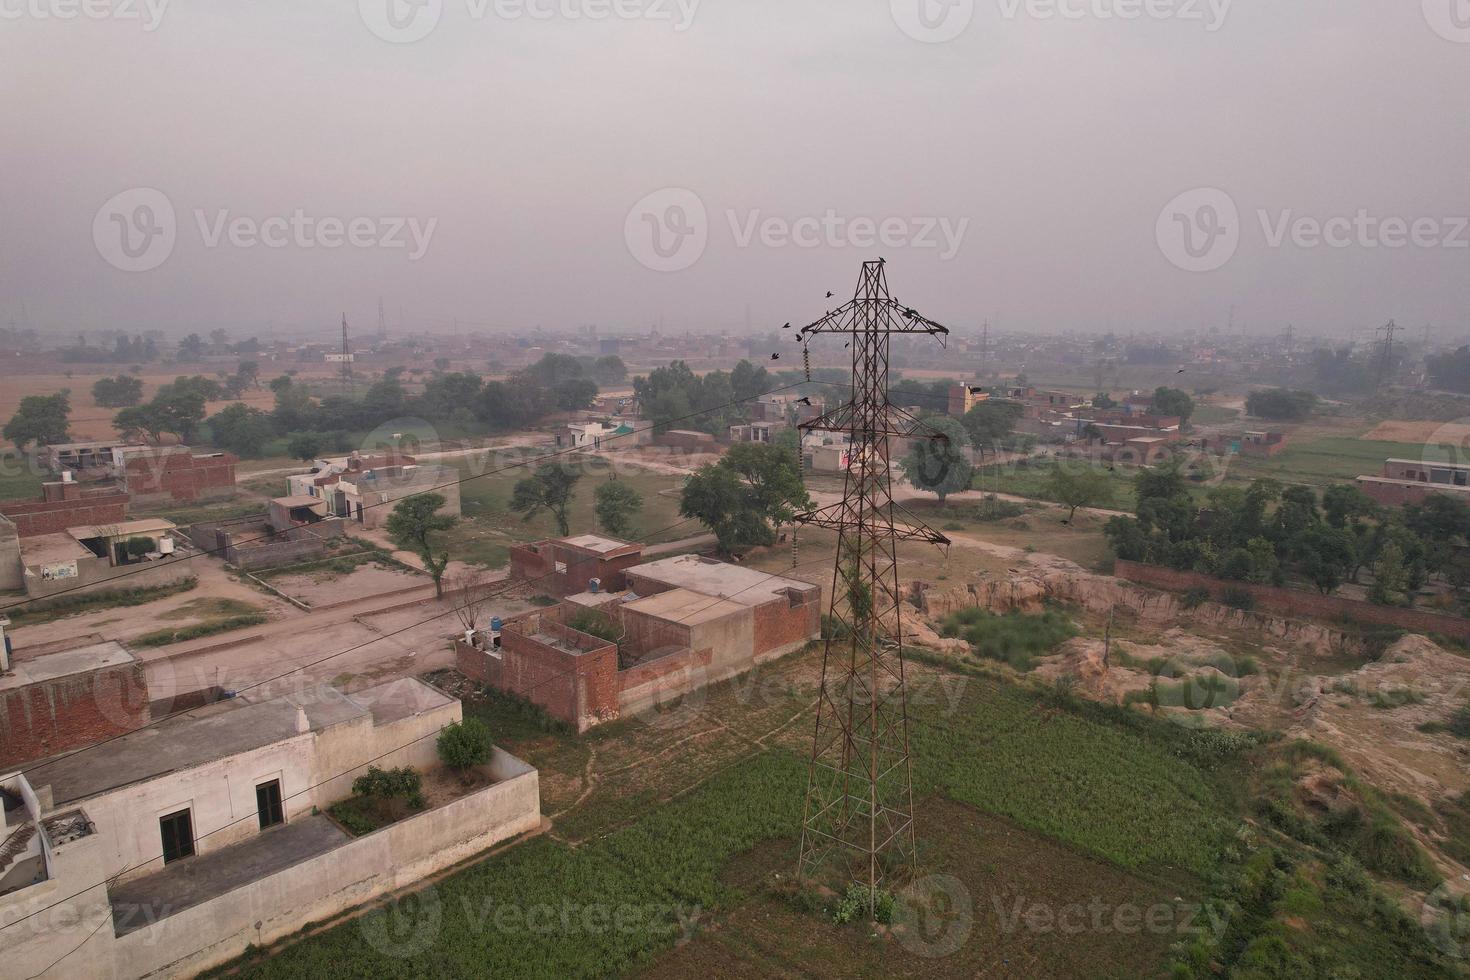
{"x": 858, "y": 822}
{"x": 382, "y": 321}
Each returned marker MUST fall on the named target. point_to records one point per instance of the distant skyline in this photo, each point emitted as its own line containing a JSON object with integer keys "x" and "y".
{"x": 269, "y": 163}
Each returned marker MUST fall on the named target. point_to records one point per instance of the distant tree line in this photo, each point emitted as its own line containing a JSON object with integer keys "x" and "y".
{"x": 1264, "y": 532}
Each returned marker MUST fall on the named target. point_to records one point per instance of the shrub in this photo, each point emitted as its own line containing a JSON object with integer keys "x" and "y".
{"x": 391, "y": 784}
{"x": 1195, "y": 598}
{"x": 1238, "y": 599}
{"x": 1015, "y": 638}
{"x": 464, "y": 745}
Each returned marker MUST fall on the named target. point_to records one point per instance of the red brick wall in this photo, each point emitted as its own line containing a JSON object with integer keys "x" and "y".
{"x": 33, "y": 517}
{"x": 54, "y": 716}
{"x": 580, "y": 690}
{"x": 180, "y": 476}
{"x": 539, "y": 568}
{"x": 1295, "y": 602}
{"x": 778, "y": 623}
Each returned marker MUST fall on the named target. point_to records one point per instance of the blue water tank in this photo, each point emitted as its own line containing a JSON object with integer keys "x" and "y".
{"x": 495, "y": 624}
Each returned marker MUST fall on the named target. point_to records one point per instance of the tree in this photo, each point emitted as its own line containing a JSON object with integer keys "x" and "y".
{"x": 118, "y": 392}
{"x": 990, "y": 423}
{"x": 1173, "y": 401}
{"x": 1078, "y": 486}
{"x": 1344, "y": 505}
{"x": 741, "y": 498}
{"x": 1325, "y": 555}
{"x": 40, "y": 419}
{"x": 609, "y": 370}
{"x": 191, "y": 347}
{"x": 414, "y": 525}
{"x": 178, "y": 410}
{"x": 939, "y": 465}
{"x": 1390, "y": 578}
{"x": 248, "y": 374}
{"x": 241, "y": 429}
{"x": 306, "y": 446}
{"x": 470, "y": 593}
{"x": 447, "y": 392}
{"x": 464, "y": 745}
{"x": 575, "y": 394}
{"x": 550, "y": 489}
{"x": 1103, "y": 400}
{"x": 616, "y": 503}
{"x": 1281, "y": 404}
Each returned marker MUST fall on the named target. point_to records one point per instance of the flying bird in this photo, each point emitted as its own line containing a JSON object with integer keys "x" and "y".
{"x": 775, "y": 357}
{"x": 787, "y": 327}
{"x": 804, "y": 401}
{"x": 847, "y": 345}
{"x": 1180, "y": 371}
{"x": 829, "y": 294}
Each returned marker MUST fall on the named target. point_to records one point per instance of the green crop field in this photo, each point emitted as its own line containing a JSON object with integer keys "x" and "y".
{"x": 1332, "y": 459}
{"x": 1026, "y": 798}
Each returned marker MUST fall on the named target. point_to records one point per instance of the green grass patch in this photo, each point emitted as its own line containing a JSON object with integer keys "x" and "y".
{"x": 1014, "y": 638}
{"x": 164, "y": 637}
{"x": 1027, "y": 478}
{"x": 73, "y": 605}
{"x": 18, "y": 480}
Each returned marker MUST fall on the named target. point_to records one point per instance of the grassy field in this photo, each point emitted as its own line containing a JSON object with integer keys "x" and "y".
{"x": 1332, "y": 459}
{"x": 489, "y": 528}
{"x": 18, "y": 479}
{"x": 683, "y": 828}
{"x": 1028, "y": 479}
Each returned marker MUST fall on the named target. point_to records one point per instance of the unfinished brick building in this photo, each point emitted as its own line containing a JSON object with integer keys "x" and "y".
{"x": 65, "y": 504}
{"x": 173, "y": 474}
{"x": 681, "y": 624}
{"x": 54, "y": 699}
{"x": 566, "y": 566}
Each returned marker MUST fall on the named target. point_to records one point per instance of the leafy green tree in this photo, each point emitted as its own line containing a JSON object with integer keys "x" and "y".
{"x": 415, "y": 525}
{"x": 464, "y": 745}
{"x": 1390, "y": 577}
{"x": 575, "y": 394}
{"x": 936, "y": 465}
{"x": 294, "y": 405}
{"x": 609, "y": 370}
{"x": 191, "y": 348}
{"x": 1281, "y": 404}
{"x": 1345, "y": 505}
{"x": 241, "y": 429}
{"x": 178, "y": 410}
{"x": 616, "y": 504}
{"x": 1173, "y": 401}
{"x": 40, "y": 419}
{"x": 1103, "y": 400}
{"x": 248, "y": 375}
{"x": 118, "y": 392}
{"x": 384, "y": 400}
{"x": 1325, "y": 555}
{"x": 306, "y": 446}
{"x": 1128, "y": 538}
{"x": 1078, "y": 486}
{"x": 743, "y": 496}
{"x": 990, "y": 423}
{"x": 549, "y": 489}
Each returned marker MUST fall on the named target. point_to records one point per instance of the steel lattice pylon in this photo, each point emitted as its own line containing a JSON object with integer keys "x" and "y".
{"x": 858, "y": 824}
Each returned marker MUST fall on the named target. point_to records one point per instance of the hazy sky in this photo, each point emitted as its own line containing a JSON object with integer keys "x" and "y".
{"x": 1047, "y": 147}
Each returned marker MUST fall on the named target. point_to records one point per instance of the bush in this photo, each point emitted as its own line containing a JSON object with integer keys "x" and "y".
{"x": 391, "y": 784}
{"x": 1195, "y": 598}
{"x": 1238, "y": 599}
{"x": 1015, "y": 638}
{"x": 464, "y": 745}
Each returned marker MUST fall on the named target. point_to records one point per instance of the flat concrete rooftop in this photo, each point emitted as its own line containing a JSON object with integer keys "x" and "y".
{"x": 188, "y": 882}
{"x": 65, "y": 663}
{"x": 686, "y": 607}
{"x": 716, "y": 578}
{"x": 595, "y": 543}
{"x": 223, "y": 729}
{"x": 49, "y": 549}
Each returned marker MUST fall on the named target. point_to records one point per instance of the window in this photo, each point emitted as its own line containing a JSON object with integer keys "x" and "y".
{"x": 268, "y": 804}
{"x": 177, "y": 830}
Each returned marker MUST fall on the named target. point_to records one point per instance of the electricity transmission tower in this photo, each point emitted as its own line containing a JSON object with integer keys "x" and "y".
{"x": 859, "y": 813}
{"x": 346, "y": 357}
{"x": 1385, "y": 356}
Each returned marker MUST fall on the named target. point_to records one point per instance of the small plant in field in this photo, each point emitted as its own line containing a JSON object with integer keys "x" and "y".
{"x": 855, "y": 905}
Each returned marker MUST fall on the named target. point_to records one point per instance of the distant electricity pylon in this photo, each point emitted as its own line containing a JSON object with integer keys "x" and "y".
{"x": 859, "y": 814}
{"x": 346, "y": 357}
{"x": 1385, "y": 354}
